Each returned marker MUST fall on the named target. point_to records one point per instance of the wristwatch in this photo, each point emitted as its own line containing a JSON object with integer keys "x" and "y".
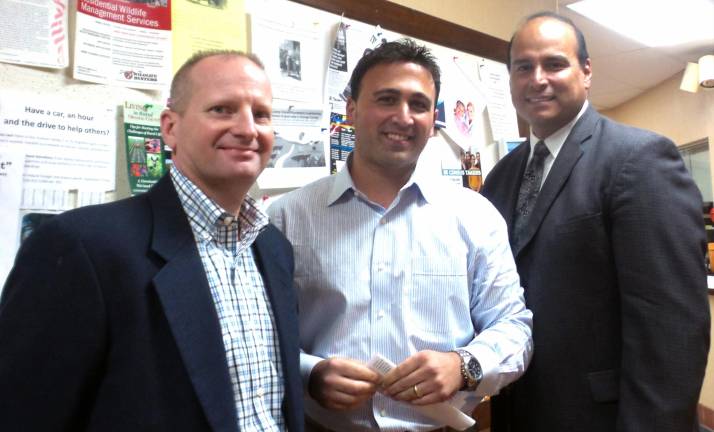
{"x": 470, "y": 370}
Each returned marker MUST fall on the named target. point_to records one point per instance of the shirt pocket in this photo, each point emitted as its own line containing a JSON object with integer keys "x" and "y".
{"x": 438, "y": 298}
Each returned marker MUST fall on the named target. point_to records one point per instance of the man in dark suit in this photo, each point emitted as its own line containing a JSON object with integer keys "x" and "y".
{"x": 607, "y": 233}
{"x": 170, "y": 311}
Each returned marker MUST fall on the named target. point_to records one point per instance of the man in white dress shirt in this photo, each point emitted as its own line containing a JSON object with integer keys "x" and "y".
{"x": 389, "y": 262}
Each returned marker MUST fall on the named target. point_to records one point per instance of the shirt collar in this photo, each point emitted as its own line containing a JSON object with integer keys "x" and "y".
{"x": 343, "y": 184}
{"x": 207, "y": 218}
{"x": 555, "y": 141}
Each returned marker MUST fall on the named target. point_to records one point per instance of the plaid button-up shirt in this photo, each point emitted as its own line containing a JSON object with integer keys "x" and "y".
{"x": 252, "y": 350}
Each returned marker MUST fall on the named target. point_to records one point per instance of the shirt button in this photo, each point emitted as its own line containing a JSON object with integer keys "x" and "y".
{"x": 383, "y": 412}
{"x": 380, "y": 314}
{"x": 382, "y": 221}
{"x": 260, "y": 392}
{"x": 227, "y": 221}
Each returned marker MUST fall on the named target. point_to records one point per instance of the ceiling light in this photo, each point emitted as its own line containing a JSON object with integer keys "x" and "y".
{"x": 653, "y": 23}
{"x": 698, "y": 74}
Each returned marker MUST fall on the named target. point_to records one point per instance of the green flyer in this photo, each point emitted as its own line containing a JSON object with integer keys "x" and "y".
{"x": 146, "y": 156}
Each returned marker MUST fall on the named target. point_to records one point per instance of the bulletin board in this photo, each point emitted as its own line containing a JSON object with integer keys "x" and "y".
{"x": 83, "y": 119}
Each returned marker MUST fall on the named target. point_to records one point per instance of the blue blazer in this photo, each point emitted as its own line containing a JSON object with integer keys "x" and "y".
{"x": 612, "y": 267}
{"x": 107, "y": 324}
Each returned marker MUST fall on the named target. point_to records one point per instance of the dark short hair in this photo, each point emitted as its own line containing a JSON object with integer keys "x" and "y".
{"x": 180, "y": 85}
{"x": 401, "y": 51}
{"x": 582, "y": 47}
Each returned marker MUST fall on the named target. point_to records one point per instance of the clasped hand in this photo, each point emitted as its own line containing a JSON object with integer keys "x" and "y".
{"x": 424, "y": 378}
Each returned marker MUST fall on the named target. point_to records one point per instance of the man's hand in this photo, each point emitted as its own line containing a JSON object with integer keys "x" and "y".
{"x": 425, "y": 378}
{"x": 341, "y": 384}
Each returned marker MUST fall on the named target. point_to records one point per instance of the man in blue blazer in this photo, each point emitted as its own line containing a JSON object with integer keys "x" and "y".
{"x": 169, "y": 311}
{"x": 607, "y": 232}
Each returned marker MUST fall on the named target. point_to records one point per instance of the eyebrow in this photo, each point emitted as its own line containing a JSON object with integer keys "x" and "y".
{"x": 395, "y": 92}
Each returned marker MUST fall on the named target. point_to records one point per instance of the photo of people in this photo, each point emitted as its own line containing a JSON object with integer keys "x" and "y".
{"x": 290, "y": 59}
{"x": 471, "y": 166}
{"x": 460, "y": 119}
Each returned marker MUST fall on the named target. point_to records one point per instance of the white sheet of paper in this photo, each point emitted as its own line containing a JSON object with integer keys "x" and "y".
{"x": 442, "y": 412}
{"x": 67, "y": 146}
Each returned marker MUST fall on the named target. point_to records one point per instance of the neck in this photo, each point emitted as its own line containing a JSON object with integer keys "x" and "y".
{"x": 379, "y": 184}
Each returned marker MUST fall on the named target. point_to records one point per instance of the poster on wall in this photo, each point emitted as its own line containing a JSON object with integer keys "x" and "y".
{"x": 147, "y": 157}
{"x": 67, "y": 145}
{"x": 299, "y": 150}
{"x": 123, "y": 42}
{"x": 293, "y": 55}
{"x": 501, "y": 113}
{"x": 202, "y": 25}
{"x": 35, "y": 33}
{"x": 463, "y": 102}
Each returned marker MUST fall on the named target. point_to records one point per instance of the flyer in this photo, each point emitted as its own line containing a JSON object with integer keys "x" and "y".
{"x": 124, "y": 42}
{"x": 35, "y": 33}
{"x": 146, "y": 154}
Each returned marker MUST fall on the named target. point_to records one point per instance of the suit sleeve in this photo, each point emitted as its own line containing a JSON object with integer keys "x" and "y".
{"x": 658, "y": 246}
{"x": 52, "y": 335}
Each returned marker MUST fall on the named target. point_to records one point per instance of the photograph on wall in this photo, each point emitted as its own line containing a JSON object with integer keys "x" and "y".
{"x": 463, "y": 103}
{"x": 35, "y": 33}
{"x": 123, "y": 43}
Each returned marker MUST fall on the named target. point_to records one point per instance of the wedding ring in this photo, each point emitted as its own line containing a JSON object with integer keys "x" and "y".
{"x": 416, "y": 391}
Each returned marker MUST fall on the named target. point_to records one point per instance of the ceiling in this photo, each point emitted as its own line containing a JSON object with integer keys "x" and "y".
{"x": 623, "y": 68}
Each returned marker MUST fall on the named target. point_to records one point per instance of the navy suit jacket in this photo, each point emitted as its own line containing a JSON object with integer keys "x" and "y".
{"x": 612, "y": 266}
{"x": 107, "y": 324}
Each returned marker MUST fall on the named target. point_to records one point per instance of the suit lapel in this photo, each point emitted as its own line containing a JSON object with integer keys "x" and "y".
{"x": 559, "y": 173}
{"x": 184, "y": 293}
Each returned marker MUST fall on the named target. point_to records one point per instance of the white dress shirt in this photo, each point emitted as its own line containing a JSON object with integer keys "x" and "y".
{"x": 433, "y": 271}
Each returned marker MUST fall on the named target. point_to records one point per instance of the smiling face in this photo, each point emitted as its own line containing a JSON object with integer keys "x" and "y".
{"x": 222, "y": 135}
{"x": 548, "y": 83}
{"x": 393, "y": 117}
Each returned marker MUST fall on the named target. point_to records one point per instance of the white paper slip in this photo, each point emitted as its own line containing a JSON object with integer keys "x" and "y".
{"x": 442, "y": 412}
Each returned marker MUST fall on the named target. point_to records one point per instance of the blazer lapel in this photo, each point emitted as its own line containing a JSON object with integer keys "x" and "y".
{"x": 184, "y": 293}
{"x": 559, "y": 173}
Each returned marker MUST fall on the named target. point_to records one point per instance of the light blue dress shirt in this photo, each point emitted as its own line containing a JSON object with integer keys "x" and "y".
{"x": 433, "y": 271}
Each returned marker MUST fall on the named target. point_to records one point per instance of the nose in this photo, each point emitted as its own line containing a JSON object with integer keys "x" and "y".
{"x": 403, "y": 114}
{"x": 539, "y": 76}
{"x": 243, "y": 125}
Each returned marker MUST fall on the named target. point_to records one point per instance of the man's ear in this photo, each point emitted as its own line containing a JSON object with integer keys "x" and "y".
{"x": 433, "y": 122}
{"x": 588, "y": 74}
{"x": 351, "y": 107}
{"x": 169, "y": 121}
